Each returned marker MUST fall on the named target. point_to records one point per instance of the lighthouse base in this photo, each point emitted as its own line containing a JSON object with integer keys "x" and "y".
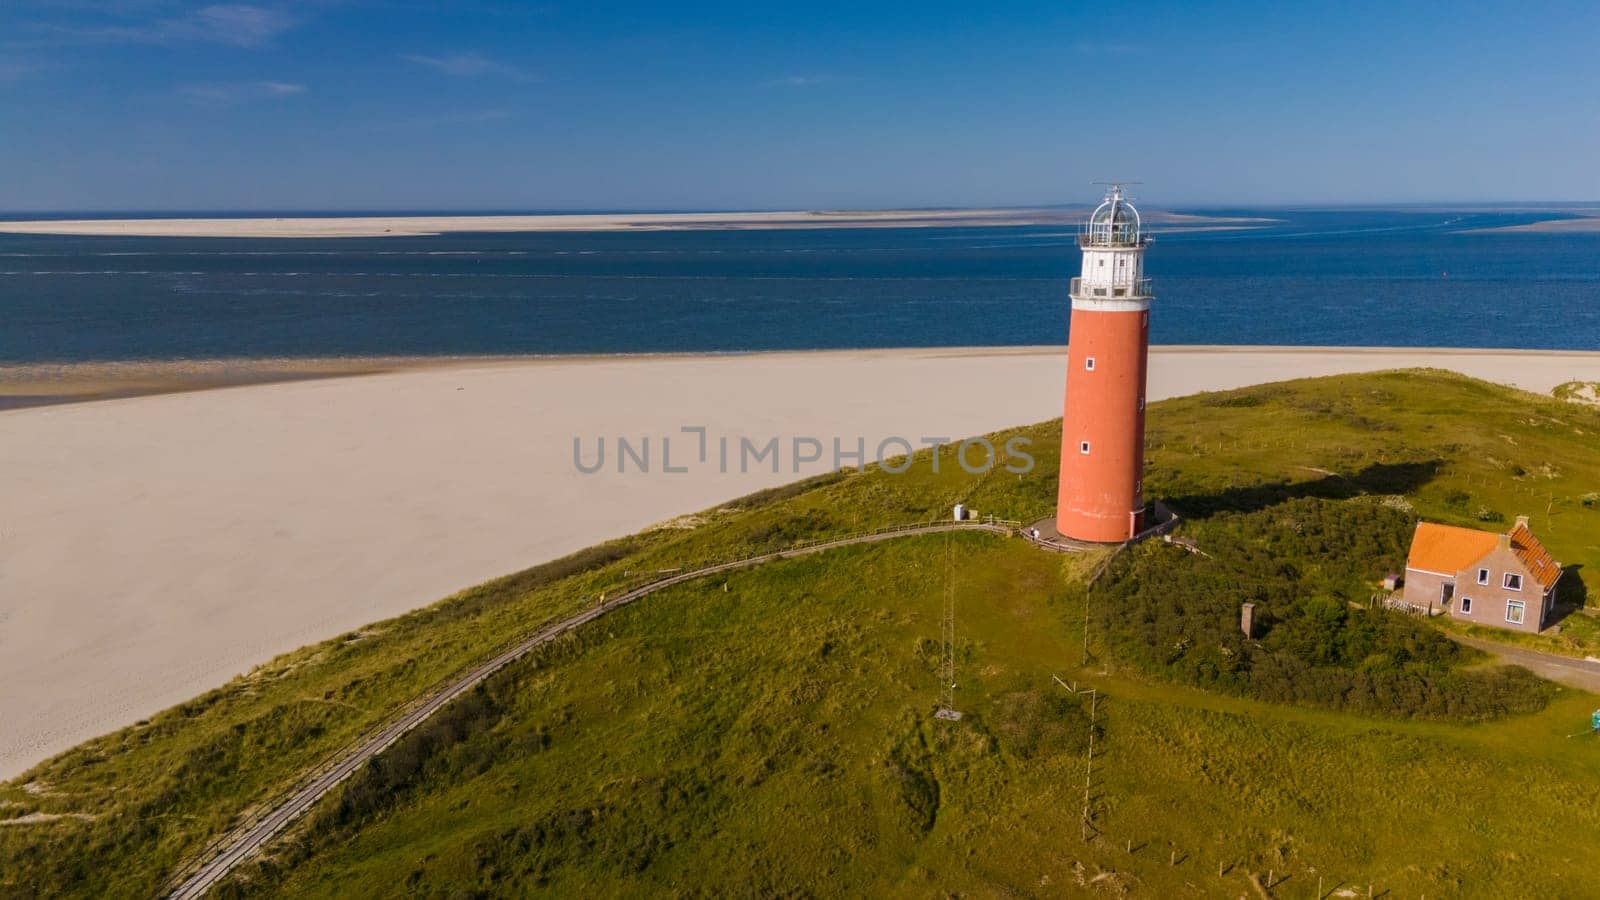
{"x": 1102, "y": 530}
{"x": 1154, "y": 519}
{"x": 1046, "y": 533}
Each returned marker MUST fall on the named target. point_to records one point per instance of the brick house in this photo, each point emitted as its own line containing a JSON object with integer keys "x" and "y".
{"x": 1504, "y": 580}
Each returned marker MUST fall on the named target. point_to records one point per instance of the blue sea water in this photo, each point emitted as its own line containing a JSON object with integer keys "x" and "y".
{"x": 1312, "y": 277}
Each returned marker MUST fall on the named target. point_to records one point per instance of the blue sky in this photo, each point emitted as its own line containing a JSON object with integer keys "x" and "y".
{"x": 402, "y": 104}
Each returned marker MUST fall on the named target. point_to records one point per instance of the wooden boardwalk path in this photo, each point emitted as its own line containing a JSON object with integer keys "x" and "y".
{"x": 227, "y": 852}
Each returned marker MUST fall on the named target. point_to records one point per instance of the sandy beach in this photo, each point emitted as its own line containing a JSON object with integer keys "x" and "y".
{"x": 415, "y": 226}
{"x": 153, "y": 547}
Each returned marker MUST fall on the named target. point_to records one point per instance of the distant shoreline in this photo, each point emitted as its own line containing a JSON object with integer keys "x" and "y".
{"x": 1589, "y": 223}
{"x": 51, "y": 384}
{"x": 422, "y": 226}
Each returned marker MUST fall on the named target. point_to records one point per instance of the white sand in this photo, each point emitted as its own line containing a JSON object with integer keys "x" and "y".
{"x": 153, "y": 547}
{"x": 1588, "y": 223}
{"x": 412, "y": 226}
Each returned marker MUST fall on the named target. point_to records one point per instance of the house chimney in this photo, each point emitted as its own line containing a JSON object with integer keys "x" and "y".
{"x": 1522, "y": 522}
{"x": 1505, "y": 541}
{"x": 1247, "y": 619}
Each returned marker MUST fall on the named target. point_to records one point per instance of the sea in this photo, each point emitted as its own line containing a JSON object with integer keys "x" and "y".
{"x": 1359, "y": 277}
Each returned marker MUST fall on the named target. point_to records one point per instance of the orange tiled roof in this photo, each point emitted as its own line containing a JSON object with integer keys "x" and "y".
{"x": 1447, "y": 549}
{"x": 1540, "y": 563}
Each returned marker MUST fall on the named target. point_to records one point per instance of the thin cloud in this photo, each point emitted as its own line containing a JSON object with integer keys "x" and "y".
{"x": 801, "y": 81}
{"x": 235, "y": 24}
{"x": 239, "y": 24}
{"x": 466, "y": 65}
{"x": 234, "y": 93}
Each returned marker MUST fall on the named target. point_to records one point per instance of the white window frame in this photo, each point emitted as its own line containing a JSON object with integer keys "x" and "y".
{"x": 1088, "y": 364}
{"x": 1083, "y": 447}
{"x": 1483, "y": 576}
{"x": 1506, "y": 582}
{"x": 1466, "y": 606}
{"x": 1522, "y": 611}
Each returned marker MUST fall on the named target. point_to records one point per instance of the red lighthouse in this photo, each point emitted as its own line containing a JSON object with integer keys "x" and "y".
{"x": 1101, "y": 496}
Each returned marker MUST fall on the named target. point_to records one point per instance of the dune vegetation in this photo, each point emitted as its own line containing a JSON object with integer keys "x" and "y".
{"x": 770, "y": 731}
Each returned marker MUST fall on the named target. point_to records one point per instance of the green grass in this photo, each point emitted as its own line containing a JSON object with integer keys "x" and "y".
{"x": 1579, "y": 634}
{"x": 781, "y": 729}
{"x": 776, "y": 738}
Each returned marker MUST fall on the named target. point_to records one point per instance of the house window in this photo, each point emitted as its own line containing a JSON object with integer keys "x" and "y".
{"x": 1513, "y": 581}
{"x": 1466, "y": 606}
{"x": 1083, "y": 447}
{"x": 1514, "y": 609}
{"x": 1089, "y": 364}
{"x": 1483, "y": 576}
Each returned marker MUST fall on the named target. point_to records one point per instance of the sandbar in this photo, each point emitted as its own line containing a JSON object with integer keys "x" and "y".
{"x": 416, "y": 226}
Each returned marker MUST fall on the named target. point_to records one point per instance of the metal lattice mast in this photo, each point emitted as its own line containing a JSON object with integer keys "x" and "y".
{"x": 949, "y": 674}
{"x": 947, "y": 635}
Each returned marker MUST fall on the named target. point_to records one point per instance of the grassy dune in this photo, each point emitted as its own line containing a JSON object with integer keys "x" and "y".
{"x": 1444, "y": 447}
{"x": 770, "y": 732}
{"x": 776, "y": 738}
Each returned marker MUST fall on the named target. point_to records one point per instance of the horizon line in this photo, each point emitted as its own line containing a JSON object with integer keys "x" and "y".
{"x": 398, "y": 211}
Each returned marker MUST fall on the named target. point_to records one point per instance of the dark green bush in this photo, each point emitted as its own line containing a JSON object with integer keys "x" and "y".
{"x": 1039, "y": 723}
{"x": 438, "y": 748}
{"x": 1309, "y": 566}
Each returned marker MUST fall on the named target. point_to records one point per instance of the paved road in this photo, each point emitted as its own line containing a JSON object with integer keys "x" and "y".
{"x": 1567, "y": 670}
{"x": 233, "y": 848}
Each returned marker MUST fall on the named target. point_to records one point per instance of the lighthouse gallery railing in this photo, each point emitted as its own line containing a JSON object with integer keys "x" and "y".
{"x": 1138, "y": 287}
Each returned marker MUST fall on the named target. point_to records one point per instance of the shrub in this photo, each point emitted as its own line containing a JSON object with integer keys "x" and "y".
{"x": 436, "y": 748}
{"x": 1038, "y": 723}
{"x": 1307, "y": 565}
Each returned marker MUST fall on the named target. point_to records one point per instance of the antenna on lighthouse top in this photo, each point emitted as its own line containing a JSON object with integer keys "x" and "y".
{"x": 1115, "y": 188}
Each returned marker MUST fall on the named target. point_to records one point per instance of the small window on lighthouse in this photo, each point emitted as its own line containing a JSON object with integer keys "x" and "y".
{"x": 1089, "y": 363}
{"x": 1083, "y": 447}
{"x": 1102, "y": 262}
